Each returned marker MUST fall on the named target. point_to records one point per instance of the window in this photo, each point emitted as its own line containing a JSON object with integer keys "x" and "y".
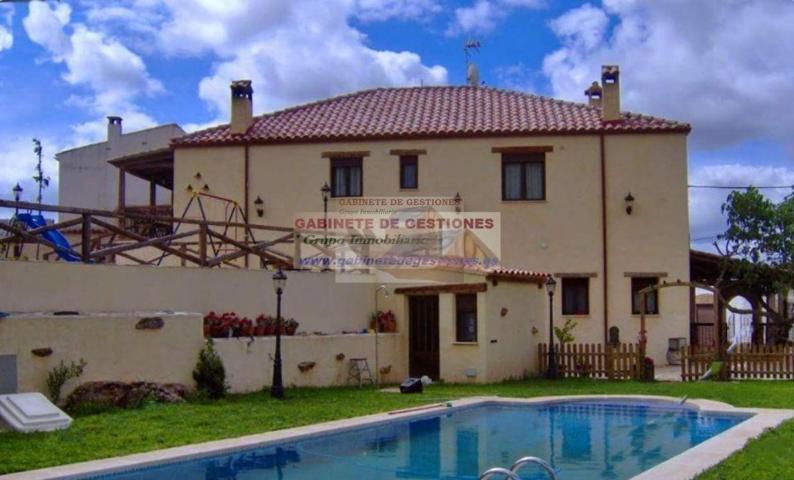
{"x": 409, "y": 171}
{"x": 652, "y": 299}
{"x": 346, "y": 177}
{"x": 575, "y": 296}
{"x": 523, "y": 176}
{"x": 466, "y": 324}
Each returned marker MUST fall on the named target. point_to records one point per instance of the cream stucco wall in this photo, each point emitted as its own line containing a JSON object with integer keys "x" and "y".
{"x": 249, "y": 366}
{"x": 115, "y": 350}
{"x": 111, "y": 346}
{"x": 314, "y": 299}
{"x": 562, "y": 234}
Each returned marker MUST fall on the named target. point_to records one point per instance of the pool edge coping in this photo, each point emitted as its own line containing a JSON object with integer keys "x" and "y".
{"x": 683, "y": 466}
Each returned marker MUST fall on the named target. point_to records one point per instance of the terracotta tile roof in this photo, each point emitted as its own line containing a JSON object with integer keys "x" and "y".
{"x": 516, "y": 274}
{"x": 427, "y": 112}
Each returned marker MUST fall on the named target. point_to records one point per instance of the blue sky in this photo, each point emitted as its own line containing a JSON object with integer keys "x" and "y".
{"x": 724, "y": 66}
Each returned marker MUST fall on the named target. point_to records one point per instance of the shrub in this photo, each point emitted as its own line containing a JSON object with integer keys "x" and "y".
{"x": 58, "y": 376}
{"x": 209, "y": 374}
{"x": 564, "y": 335}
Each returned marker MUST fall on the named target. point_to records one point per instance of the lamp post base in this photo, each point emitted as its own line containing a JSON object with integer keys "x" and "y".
{"x": 277, "y": 391}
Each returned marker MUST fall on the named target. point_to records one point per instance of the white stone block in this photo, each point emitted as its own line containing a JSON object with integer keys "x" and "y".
{"x": 31, "y": 412}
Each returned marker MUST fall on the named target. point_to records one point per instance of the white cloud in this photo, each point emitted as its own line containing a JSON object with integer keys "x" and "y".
{"x": 483, "y": 16}
{"x": 705, "y": 215}
{"x": 723, "y": 66}
{"x": 293, "y": 51}
{"x": 380, "y": 10}
{"x": 584, "y": 27}
{"x": 112, "y": 75}
{"x": 6, "y": 36}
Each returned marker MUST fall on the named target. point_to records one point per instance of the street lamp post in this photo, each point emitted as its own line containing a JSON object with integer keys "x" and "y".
{"x": 277, "y": 388}
{"x": 17, "y": 195}
{"x": 551, "y": 285}
{"x": 326, "y": 191}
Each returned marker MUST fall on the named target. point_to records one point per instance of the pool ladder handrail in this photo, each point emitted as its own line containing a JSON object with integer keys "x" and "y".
{"x": 512, "y": 474}
{"x": 537, "y": 461}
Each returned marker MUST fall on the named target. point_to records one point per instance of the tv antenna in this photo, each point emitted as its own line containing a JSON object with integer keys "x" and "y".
{"x": 471, "y": 47}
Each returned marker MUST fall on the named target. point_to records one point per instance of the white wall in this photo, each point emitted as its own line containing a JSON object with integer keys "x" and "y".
{"x": 314, "y": 299}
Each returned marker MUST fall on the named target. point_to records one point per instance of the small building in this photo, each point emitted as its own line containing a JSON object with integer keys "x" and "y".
{"x": 87, "y": 180}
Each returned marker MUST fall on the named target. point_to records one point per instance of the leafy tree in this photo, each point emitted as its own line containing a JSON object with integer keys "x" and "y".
{"x": 758, "y": 251}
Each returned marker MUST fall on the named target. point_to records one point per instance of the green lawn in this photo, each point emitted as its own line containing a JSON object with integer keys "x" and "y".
{"x": 159, "y": 426}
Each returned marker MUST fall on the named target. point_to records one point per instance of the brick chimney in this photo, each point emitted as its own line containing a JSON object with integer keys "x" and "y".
{"x": 594, "y": 95}
{"x": 610, "y": 82}
{"x": 114, "y": 129}
{"x": 242, "y": 106}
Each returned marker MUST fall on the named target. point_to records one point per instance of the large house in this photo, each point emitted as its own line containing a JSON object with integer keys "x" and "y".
{"x": 594, "y": 195}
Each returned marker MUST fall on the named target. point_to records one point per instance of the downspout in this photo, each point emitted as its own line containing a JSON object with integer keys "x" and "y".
{"x": 604, "y": 243}
{"x": 246, "y": 173}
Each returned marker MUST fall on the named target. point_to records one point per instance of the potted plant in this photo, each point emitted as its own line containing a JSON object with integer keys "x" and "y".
{"x": 270, "y": 326}
{"x": 290, "y": 326}
{"x": 246, "y": 327}
{"x": 259, "y": 330}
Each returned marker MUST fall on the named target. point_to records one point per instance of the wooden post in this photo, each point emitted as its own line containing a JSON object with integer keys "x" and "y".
{"x": 153, "y": 197}
{"x": 718, "y": 320}
{"x": 296, "y": 254}
{"x": 122, "y": 195}
{"x": 203, "y": 243}
{"x": 643, "y": 336}
{"x": 85, "y": 247}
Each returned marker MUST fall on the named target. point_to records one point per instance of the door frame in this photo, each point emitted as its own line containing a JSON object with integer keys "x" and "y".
{"x": 430, "y": 365}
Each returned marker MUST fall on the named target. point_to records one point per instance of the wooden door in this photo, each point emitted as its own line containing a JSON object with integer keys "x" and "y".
{"x": 423, "y": 355}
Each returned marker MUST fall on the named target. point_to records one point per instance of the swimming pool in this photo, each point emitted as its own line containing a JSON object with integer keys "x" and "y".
{"x": 582, "y": 439}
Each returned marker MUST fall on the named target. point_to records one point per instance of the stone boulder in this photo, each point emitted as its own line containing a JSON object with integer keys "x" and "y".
{"x": 125, "y": 395}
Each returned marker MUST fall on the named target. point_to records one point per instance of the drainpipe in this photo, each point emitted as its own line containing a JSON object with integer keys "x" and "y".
{"x": 246, "y": 185}
{"x": 604, "y": 239}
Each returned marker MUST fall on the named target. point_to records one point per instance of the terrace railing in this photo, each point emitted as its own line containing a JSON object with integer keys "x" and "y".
{"x": 595, "y": 360}
{"x": 103, "y": 235}
{"x": 744, "y": 362}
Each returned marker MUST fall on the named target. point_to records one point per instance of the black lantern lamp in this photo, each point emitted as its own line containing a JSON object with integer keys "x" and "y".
{"x": 325, "y": 190}
{"x": 551, "y": 286}
{"x": 17, "y": 195}
{"x": 259, "y": 204}
{"x": 629, "y": 199}
{"x": 279, "y": 283}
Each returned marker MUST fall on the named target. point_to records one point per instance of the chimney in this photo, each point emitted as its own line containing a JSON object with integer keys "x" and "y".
{"x": 594, "y": 95}
{"x": 473, "y": 75}
{"x": 242, "y": 106}
{"x": 610, "y": 82}
{"x": 114, "y": 129}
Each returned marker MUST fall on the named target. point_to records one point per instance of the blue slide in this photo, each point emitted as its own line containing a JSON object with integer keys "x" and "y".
{"x": 52, "y": 236}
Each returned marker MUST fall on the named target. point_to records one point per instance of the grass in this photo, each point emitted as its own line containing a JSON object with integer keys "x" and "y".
{"x": 152, "y": 427}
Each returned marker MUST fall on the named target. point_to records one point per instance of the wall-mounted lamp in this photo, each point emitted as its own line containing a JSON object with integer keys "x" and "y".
{"x": 197, "y": 176}
{"x": 458, "y": 201}
{"x": 629, "y": 199}
{"x": 260, "y": 206}
{"x": 189, "y": 188}
{"x": 205, "y": 188}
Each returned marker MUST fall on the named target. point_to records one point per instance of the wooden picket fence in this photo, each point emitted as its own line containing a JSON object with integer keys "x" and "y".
{"x": 593, "y": 360}
{"x": 746, "y": 362}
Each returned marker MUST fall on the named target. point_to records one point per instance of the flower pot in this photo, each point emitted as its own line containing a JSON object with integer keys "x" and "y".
{"x": 259, "y": 330}
{"x": 291, "y": 329}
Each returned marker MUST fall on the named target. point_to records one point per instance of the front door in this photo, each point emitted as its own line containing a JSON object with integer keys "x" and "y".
{"x": 423, "y": 356}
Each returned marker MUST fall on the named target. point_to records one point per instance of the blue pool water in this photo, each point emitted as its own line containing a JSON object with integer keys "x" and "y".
{"x": 583, "y": 440}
